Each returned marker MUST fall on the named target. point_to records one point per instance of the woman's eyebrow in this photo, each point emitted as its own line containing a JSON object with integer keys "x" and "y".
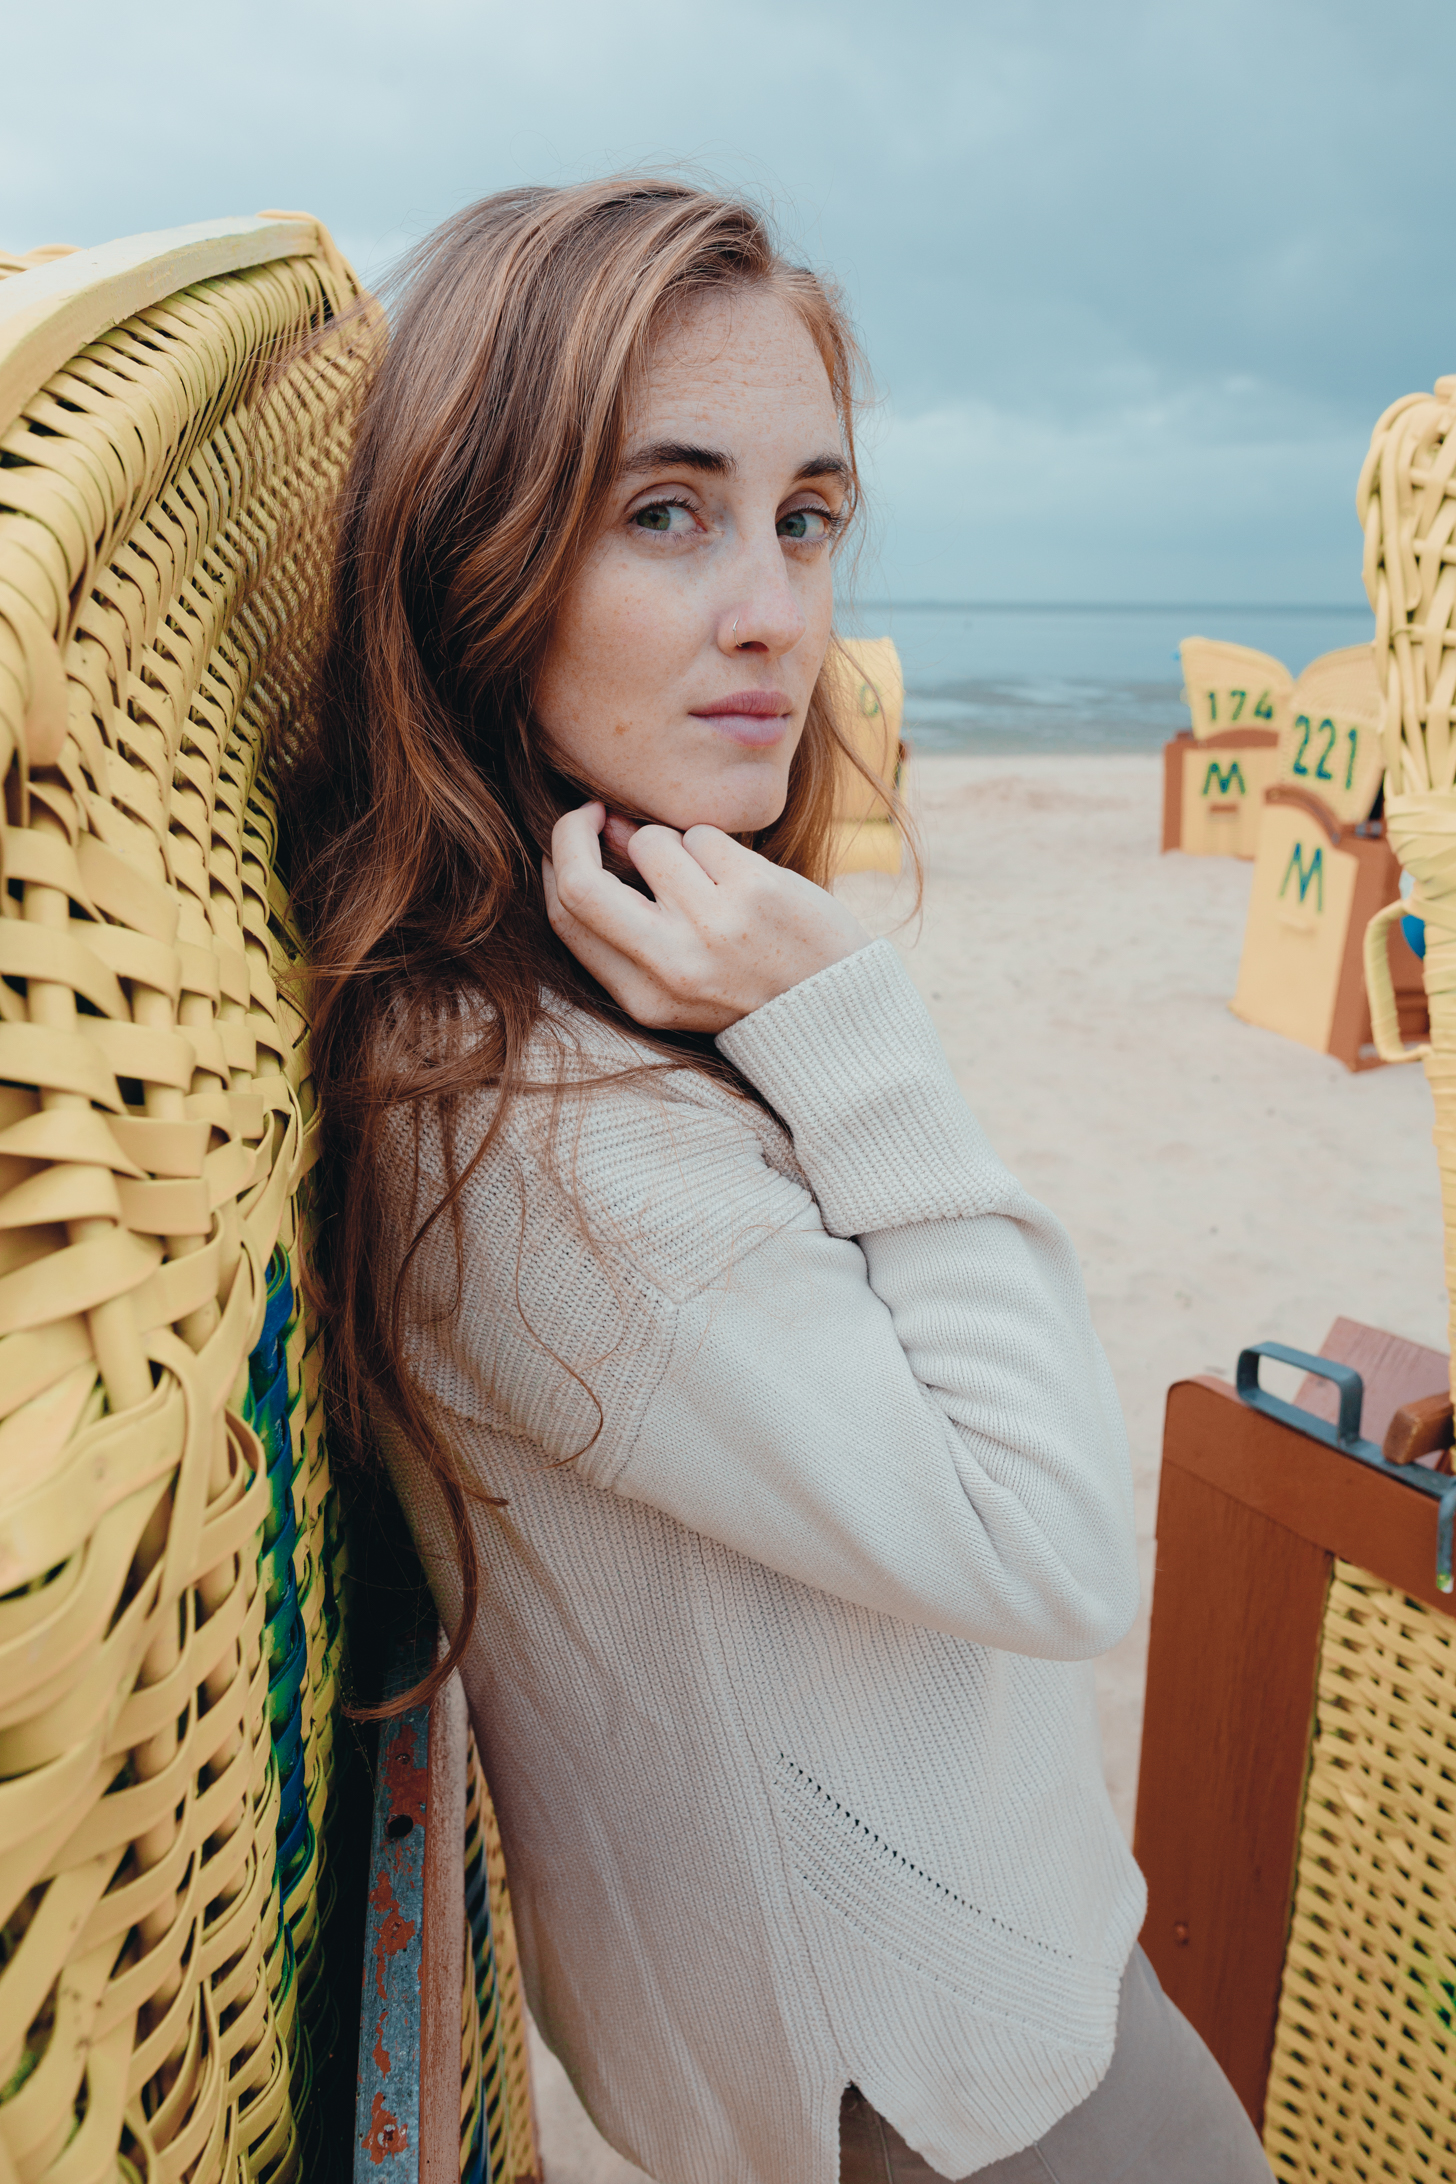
{"x": 680, "y": 455}
{"x": 712, "y": 462}
{"x": 825, "y": 466}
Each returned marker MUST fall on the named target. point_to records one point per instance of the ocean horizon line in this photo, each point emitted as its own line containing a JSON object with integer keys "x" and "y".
{"x": 1103, "y": 606}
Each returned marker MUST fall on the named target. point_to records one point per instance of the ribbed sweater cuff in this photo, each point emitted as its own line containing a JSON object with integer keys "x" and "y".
{"x": 851, "y": 1061}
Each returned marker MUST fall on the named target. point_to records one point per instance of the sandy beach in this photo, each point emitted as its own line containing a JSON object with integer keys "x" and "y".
{"x": 1221, "y": 1184}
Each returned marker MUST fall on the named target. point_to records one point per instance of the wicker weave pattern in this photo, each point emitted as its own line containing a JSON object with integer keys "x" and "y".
{"x": 1363, "y": 2083}
{"x": 168, "y": 1615}
{"x": 498, "y": 2142}
{"x": 1407, "y": 504}
{"x": 1406, "y": 501}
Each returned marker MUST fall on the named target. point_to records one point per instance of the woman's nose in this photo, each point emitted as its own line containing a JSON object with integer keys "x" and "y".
{"x": 763, "y": 614}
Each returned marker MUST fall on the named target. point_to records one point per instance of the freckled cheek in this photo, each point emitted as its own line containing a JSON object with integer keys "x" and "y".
{"x": 630, "y": 618}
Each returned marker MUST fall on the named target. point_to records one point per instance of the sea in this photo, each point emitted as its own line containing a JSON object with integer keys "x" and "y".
{"x": 1009, "y": 677}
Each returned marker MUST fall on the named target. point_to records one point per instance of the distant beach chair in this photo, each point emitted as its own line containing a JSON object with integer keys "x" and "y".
{"x": 1215, "y": 773}
{"x": 870, "y": 687}
{"x": 1331, "y": 744}
{"x": 178, "y": 1790}
{"x": 1323, "y": 870}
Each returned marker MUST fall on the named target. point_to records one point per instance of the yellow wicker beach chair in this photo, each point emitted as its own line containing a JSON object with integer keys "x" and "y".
{"x": 870, "y": 700}
{"x": 1215, "y": 774}
{"x": 1407, "y": 505}
{"x": 173, "y": 1575}
{"x": 1331, "y": 746}
{"x": 1323, "y": 869}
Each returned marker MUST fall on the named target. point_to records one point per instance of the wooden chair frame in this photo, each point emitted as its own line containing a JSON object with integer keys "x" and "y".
{"x": 1255, "y": 1512}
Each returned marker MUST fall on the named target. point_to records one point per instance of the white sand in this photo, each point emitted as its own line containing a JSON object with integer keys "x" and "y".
{"x": 1222, "y": 1185}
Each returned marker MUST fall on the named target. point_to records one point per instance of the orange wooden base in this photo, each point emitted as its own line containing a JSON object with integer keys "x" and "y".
{"x": 1213, "y": 788}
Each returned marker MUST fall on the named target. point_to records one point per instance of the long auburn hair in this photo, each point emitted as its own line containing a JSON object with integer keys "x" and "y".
{"x": 420, "y": 793}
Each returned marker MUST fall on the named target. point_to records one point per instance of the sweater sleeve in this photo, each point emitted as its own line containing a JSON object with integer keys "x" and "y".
{"x": 901, "y": 1400}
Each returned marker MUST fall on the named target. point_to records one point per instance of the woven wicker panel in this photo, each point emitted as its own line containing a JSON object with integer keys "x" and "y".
{"x": 498, "y": 2141}
{"x": 1406, "y": 500}
{"x": 1363, "y": 2083}
{"x": 170, "y": 1565}
{"x": 11, "y": 263}
{"x": 1407, "y": 503}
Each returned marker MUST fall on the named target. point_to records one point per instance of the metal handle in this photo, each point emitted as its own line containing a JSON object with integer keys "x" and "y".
{"x": 1345, "y": 1433}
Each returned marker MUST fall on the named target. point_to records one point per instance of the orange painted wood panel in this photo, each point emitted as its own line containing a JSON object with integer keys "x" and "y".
{"x": 1345, "y": 1507}
{"x": 1231, "y": 1666}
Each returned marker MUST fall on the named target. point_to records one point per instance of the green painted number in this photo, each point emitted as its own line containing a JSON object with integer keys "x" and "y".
{"x": 1213, "y": 705}
{"x": 1322, "y": 770}
{"x": 1353, "y": 734}
{"x": 1238, "y": 697}
{"x": 1299, "y": 766}
{"x": 1263, "y": 710}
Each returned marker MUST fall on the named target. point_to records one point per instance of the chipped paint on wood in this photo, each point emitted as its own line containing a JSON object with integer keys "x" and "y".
{"x": 392, "y": 1930}
{"x": 386, "y": 2135}
{"x": 387, "y": 2113}
{"x": 404, "y": 1776}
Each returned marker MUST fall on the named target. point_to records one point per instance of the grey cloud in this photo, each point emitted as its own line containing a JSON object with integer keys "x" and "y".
{"x": 1137, "y": 276}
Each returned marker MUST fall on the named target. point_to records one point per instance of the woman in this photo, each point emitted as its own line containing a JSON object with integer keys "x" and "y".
{"x": 746, "y": 1412}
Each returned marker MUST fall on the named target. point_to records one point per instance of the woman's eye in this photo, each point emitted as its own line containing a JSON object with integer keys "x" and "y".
{"x": 667, "y": 518}
{"x": 806, "y": 526}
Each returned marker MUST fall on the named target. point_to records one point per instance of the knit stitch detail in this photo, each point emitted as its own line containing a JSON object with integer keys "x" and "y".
{"x": 925, "y": 1925}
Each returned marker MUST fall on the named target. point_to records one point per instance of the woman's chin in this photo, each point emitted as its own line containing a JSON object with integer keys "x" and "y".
{"x": 732, "y": 812}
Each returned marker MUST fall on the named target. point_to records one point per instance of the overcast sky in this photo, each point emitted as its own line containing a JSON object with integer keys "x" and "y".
{"x": 1134, "y": 280}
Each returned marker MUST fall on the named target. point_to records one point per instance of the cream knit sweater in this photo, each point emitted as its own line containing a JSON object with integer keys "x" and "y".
{"x": 780, "y": 1678}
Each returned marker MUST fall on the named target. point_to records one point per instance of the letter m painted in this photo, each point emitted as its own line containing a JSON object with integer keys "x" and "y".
{"x": 1225, "y": 777}
{"x": 1309, "y": 876}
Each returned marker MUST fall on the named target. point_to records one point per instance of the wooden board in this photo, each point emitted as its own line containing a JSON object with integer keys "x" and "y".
{"x": 387, "y": 2117}
{"x": 1394, "y": 1372}
{"x": 407, "y": 2117}
{"x": 1224, "y": 1752}
{"x": 442, "y": 1962}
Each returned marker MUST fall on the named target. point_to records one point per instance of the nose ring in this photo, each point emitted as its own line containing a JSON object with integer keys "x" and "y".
{"x": 735, "y": 625}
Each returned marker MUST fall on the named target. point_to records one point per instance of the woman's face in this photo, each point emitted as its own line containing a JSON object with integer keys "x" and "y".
{"x": 688, "y": 646}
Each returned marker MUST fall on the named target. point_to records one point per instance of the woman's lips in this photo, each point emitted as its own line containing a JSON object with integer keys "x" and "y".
{"x": 753, "y": 717}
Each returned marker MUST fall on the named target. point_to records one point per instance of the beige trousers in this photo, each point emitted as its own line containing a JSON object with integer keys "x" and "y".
{"x": 1164, "y": 2114}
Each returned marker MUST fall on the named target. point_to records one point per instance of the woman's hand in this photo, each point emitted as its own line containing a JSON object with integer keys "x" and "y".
{"x": 723, "y": 932}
